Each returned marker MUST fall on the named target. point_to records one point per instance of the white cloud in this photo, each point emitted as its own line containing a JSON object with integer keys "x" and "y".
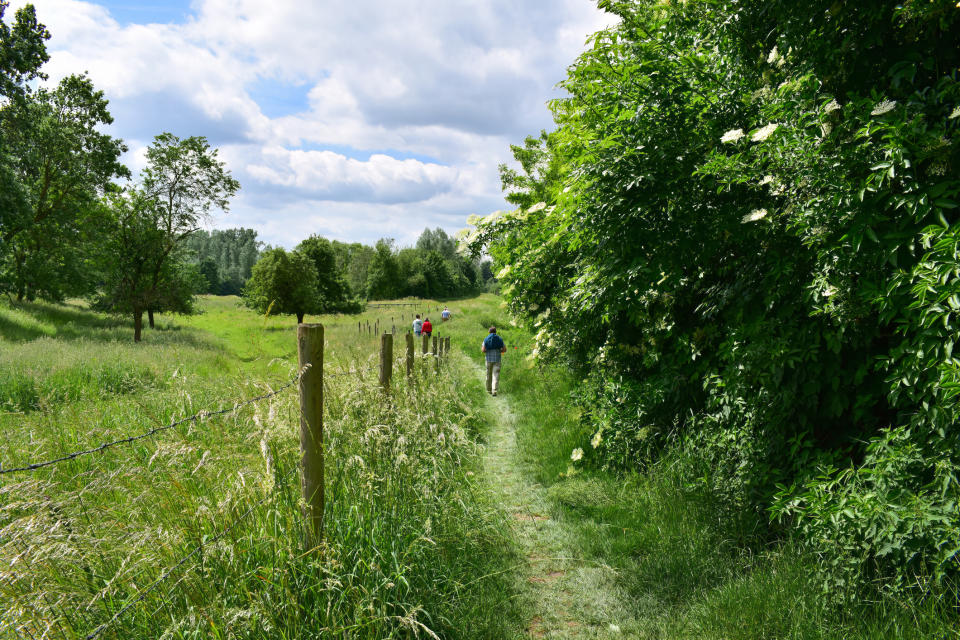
{"x": 450, "y": 83}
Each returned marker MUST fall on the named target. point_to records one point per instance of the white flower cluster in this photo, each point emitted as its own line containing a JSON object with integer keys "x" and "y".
{"x": 831, "y": 106}
{"x": 576, "y": 454}
{"x": 955, "y": 114}
{"x": 884, "y": 107}
{"x": 732, "y": 136}
{"x": 753, "y": 216}
{"x": 763, "y": 133}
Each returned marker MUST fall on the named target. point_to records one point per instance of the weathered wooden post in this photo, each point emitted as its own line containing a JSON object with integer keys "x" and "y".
{"x": 446, "y": 346}
{"x": 436, "y": 356}
{"x": 359, "y": 328}
{"x": 386, "y": 361}
{"x": 409, "y": 354}
{"x": 426, "y": 343}
{"x": 310, "y": 352}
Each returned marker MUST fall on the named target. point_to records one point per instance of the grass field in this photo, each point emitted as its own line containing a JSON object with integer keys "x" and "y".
{"x": 417, "y": 544}
{"x": 413, "y": 546}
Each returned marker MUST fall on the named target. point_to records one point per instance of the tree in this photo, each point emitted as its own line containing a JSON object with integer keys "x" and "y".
{"x": 134, "y": 246}
{"x": 22, "y": 50}
{"x": 283, "y": 283}
{"x": 539, "y": 175}
{"x": 208, "y": 269}
{"x": 383, "y": 275}
{"x": 186, "y": 182}
{"x": 60, "y": 162}
{"x": 437, "y": 240}
{"x": 332, "y": 289}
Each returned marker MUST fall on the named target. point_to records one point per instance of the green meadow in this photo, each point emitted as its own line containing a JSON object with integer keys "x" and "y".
{"x": 413, "y": 546}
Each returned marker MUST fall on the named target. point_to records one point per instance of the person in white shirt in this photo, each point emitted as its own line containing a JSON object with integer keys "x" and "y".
{"x": 417, "y": 324}
{"x": 446, "y": 314}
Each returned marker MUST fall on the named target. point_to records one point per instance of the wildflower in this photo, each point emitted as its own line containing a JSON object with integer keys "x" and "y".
{"x": 773, "y": 56}
{"x": 764, "y": 132}
{"x": 831, "y": 106}
{"x": 540, "y": 206}
{"x": 595, "y": 441}
{"x": 614, "y": 628}
{"x": 766, "y": 180}
{"x": 577, "y": 454}
{"x": 753, "y": 216}
{"x": 884, "y": 107}
{"x": 732, "y": 136}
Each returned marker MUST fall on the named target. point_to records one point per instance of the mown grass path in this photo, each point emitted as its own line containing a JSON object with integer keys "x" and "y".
{"x": 567, "y": 595}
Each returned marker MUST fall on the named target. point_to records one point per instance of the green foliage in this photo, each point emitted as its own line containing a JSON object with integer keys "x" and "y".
{"x": 232, "y": 254}
{"x": 332, "y": 289}
{"x": 283, "y": 283}
{"x": 59, "y": 163}
{"x": 749, "y": 251}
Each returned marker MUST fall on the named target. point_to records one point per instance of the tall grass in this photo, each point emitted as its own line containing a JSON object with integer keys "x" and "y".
{"x": 413, "y": 547}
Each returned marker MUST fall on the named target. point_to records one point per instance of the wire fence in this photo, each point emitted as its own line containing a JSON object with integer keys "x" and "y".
{"x": 143, "y": 593}
{"x": 201, "y": 415}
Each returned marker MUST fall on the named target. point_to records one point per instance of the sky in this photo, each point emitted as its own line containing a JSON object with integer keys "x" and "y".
{"x": 355, "y": 120}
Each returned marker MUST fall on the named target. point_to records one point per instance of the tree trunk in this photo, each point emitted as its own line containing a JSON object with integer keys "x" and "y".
{"x": 137, "y": 325}
{"x": 150, "y": 317}
{"x": 300, "y": 318}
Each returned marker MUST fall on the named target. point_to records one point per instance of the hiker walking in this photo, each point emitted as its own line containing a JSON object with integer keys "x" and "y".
{"x": 445, "y": 315}
{"x": 426, "y": 328}
{"x": 417, "y": 325}
{"x": 493, "y": 347}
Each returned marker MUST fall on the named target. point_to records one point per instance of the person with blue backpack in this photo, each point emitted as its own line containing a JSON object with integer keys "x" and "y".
{"x": 493, "y": 348}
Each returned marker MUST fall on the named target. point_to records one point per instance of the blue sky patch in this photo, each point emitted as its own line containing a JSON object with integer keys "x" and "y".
{"x": 135, "y": 12}
{"x": 278, "y": 99}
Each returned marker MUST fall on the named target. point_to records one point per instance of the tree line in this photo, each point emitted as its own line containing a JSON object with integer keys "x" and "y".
{"x": 329, "y": 276}
{"x": 742, "y": 234}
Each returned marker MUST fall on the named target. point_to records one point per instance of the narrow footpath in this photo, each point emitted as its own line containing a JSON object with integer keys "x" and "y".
{"x": 568, "y": 595}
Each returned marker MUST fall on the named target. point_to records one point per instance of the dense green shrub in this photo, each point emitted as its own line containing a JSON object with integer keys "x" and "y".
{"x": 750, "y": 250}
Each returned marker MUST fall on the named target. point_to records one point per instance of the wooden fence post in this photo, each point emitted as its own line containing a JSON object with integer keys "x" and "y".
{"x": 446, "y": 346}
{"x": 409, "y": 354}
{"x": 310, "y": 352}
{"x": 436, "y": 356}
{"x": 386, "y": 360}
{"x": 426, "y": 343}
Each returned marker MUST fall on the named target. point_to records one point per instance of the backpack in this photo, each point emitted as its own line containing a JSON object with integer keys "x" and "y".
{"x": 493, "y": 342}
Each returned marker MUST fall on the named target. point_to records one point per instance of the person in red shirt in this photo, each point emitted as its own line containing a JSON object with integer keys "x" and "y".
{"x": 427, "y": 328}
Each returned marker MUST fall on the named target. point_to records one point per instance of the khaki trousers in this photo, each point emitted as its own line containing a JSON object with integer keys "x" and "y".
{"x": 493, "y": 377}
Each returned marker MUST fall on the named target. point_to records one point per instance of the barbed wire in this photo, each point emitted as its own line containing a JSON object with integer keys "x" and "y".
{"x": 201, "y": 415}
{"x": 141, "y": 595}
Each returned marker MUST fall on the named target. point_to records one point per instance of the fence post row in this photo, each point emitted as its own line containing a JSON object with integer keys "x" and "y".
{"x": 409, "y": 354}
{"x": 386, "y": 360}
{"x": 310, "y": 352}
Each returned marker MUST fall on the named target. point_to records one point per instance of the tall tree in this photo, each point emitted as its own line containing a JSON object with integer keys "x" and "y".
{"x": 61, "y": 163}
{"x": 332, "y": 288}
{"x": 283, "y": 282}
{"x": 133, "y": 249}
{"x": 186, "y": 182}
{"x": 383, "y": 275}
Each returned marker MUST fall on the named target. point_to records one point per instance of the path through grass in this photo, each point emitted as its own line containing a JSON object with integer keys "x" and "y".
{"x": 568, "y": 595}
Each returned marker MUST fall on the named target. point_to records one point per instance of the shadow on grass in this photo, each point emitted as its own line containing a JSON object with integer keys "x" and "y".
{"x": 74, "y": 322}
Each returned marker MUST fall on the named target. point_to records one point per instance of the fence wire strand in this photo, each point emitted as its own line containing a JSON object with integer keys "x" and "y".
{"x": 169, "y": 571}
{"x": 201, "y": 415}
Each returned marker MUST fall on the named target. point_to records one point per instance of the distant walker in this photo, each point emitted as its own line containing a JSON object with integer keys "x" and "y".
{"x": 445, "y": 315}
{"x": 493, "y": 347}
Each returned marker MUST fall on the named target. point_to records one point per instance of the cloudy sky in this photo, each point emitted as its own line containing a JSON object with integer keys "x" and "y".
{"x": 354, "y": 119}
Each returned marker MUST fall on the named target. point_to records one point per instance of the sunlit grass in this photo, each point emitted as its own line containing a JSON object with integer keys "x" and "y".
{"x": 413, "y": 547}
